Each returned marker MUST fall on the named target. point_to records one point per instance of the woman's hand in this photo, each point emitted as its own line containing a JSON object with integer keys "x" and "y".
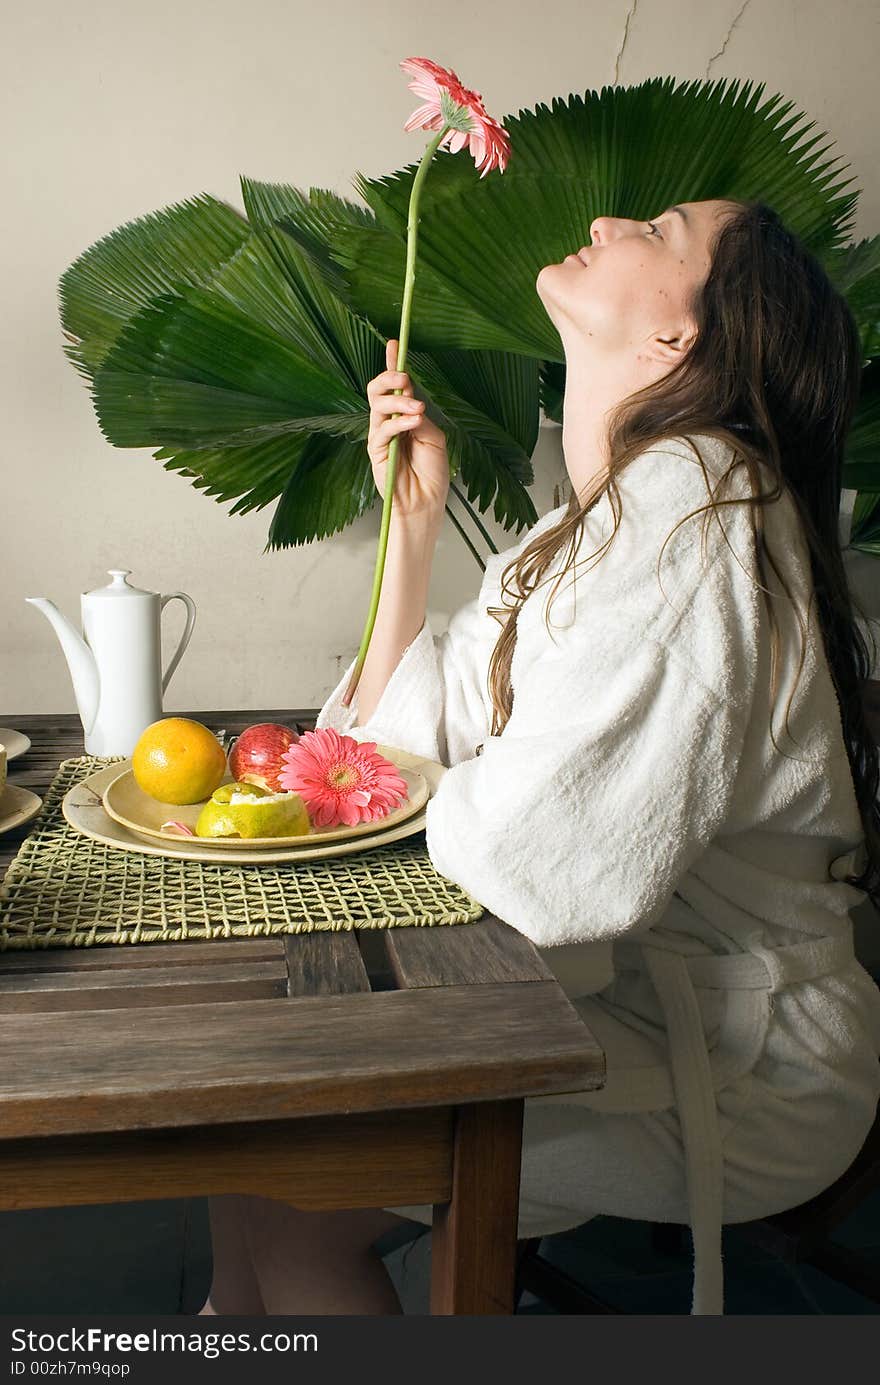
{"x": 421, "y": 478}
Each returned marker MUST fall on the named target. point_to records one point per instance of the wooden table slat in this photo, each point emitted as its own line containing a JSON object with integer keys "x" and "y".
{"x": 325, "y": 963}
{"x": 42, "y": 993}
{"x": 261, "y": 1059}
{"x": 120, "y": 977}
{"x": 220, "y": 992}
{"x": 481, "y": 953}
{"x": 112, "y": 957}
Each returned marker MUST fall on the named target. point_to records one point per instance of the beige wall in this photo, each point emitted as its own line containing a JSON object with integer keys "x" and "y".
{"x": 112, "y": 110}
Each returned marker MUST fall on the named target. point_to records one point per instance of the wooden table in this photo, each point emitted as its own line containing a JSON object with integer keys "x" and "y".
{"x": 351, "y": 1069}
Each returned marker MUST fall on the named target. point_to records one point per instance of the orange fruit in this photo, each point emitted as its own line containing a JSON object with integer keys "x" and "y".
{"x": 178, "y": 761}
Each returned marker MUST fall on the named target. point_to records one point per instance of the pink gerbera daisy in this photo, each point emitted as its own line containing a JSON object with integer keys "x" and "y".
{"x": 437, "y": 86}
{"x": 341, "y": 780}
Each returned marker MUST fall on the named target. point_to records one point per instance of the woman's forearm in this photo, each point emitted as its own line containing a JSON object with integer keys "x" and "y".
{"x": 402, "y": 604}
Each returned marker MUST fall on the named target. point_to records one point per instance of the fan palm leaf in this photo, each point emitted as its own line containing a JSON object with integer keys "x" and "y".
{"x": 865, "y": 533}
{"x": 126, "y": 270}
{"x": 263, "y": 350}
{"x": 861, "y": 467}
{"x": 855, "y": 270}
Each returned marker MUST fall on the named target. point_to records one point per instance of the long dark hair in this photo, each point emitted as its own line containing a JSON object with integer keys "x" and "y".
{"x": 775, "y": 370}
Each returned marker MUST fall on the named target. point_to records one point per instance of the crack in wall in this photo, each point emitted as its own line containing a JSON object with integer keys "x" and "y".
{"x": 629, "y": 16}
{"x": 721, "y": 50}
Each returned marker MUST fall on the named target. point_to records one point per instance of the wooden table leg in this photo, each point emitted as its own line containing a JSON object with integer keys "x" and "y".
{"x": 473, "y": 1246}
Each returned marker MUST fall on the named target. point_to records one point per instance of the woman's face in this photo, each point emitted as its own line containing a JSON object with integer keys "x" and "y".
{"x": 627, "y": 292}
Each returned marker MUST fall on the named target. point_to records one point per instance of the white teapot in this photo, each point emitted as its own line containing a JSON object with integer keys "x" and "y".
{"x": 116, "y": 664}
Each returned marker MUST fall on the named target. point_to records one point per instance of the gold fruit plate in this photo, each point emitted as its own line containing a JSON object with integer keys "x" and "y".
{"x": 127, "y": 804}
{"x": 84, "y": 811}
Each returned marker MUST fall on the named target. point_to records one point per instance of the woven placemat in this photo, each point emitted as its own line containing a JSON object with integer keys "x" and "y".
{"x": 64, "y": 889}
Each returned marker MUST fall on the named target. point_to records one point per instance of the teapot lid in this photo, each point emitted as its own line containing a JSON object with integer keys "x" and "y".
{"x": 119, "y": 586}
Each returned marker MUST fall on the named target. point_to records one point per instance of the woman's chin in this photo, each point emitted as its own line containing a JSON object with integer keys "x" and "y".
{"x": 550, "y": 298}
{"x": 551, "y": 270}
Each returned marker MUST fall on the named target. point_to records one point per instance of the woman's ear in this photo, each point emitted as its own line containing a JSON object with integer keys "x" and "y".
{"x": 669, "y": 350}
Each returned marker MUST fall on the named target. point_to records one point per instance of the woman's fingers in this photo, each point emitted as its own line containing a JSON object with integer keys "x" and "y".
{"x": 386, "y": 382}
{"x": 392, "y": 414}
{"x": 396, "y": 403}
{"x": 390, "y": 426}
{"x": 389, "y": 380}
{"x": 380, "y": 437}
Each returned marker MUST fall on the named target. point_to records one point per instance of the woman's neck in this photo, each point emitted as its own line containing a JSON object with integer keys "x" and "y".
{"x": 592, "y": 390}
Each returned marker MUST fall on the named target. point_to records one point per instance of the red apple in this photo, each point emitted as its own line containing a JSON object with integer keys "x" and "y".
{"x": 256, "y": 755}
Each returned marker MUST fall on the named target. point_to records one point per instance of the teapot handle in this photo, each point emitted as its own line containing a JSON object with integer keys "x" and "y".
{"x": 184, "y": 639}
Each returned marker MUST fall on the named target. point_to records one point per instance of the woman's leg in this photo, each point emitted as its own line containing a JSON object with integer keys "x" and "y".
{"x": 318, "y": 1262}
{"x": 234, "y": 1286}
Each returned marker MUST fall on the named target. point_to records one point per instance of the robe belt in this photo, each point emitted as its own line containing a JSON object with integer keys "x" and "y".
{"x": 674, "y": 977}
{"x": 759, "y": 969}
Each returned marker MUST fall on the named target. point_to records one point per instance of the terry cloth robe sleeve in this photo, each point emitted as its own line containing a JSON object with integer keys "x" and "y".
{"x": 432, "y": 704}
{"x": 436, "y": 702}
{"x": 575, "y": 826}
{"x": 618, "y": 765}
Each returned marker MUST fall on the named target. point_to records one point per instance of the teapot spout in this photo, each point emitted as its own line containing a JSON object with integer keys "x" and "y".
{"x": 80, "y": 660}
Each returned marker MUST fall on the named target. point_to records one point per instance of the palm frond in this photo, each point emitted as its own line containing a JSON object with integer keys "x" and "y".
{"x": 123, "y": 272}
{"x": 489, "y": 401}
{"x": 855, "y": 270}
{"x": 252, "y": 475}
{"x": 861, "y": 467}
{"x": 332, "y": 486}
{"x": 193, "y": 368}
{"x": 865, "y": 532}
{"x": 310, "y": 220}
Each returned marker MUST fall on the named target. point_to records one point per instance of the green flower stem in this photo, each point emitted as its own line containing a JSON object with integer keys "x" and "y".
{"x": 391, "y": 465}
{"x": 475, "y": 517}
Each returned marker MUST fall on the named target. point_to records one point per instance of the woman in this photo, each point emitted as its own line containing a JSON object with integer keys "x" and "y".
{"x": 626, "y": 787}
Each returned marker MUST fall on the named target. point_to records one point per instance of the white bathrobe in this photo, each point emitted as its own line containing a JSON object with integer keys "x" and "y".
{"x": 678, "y": 872}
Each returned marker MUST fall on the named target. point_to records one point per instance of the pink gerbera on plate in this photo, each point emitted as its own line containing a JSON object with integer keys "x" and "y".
{"x": 341, "y": 780}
